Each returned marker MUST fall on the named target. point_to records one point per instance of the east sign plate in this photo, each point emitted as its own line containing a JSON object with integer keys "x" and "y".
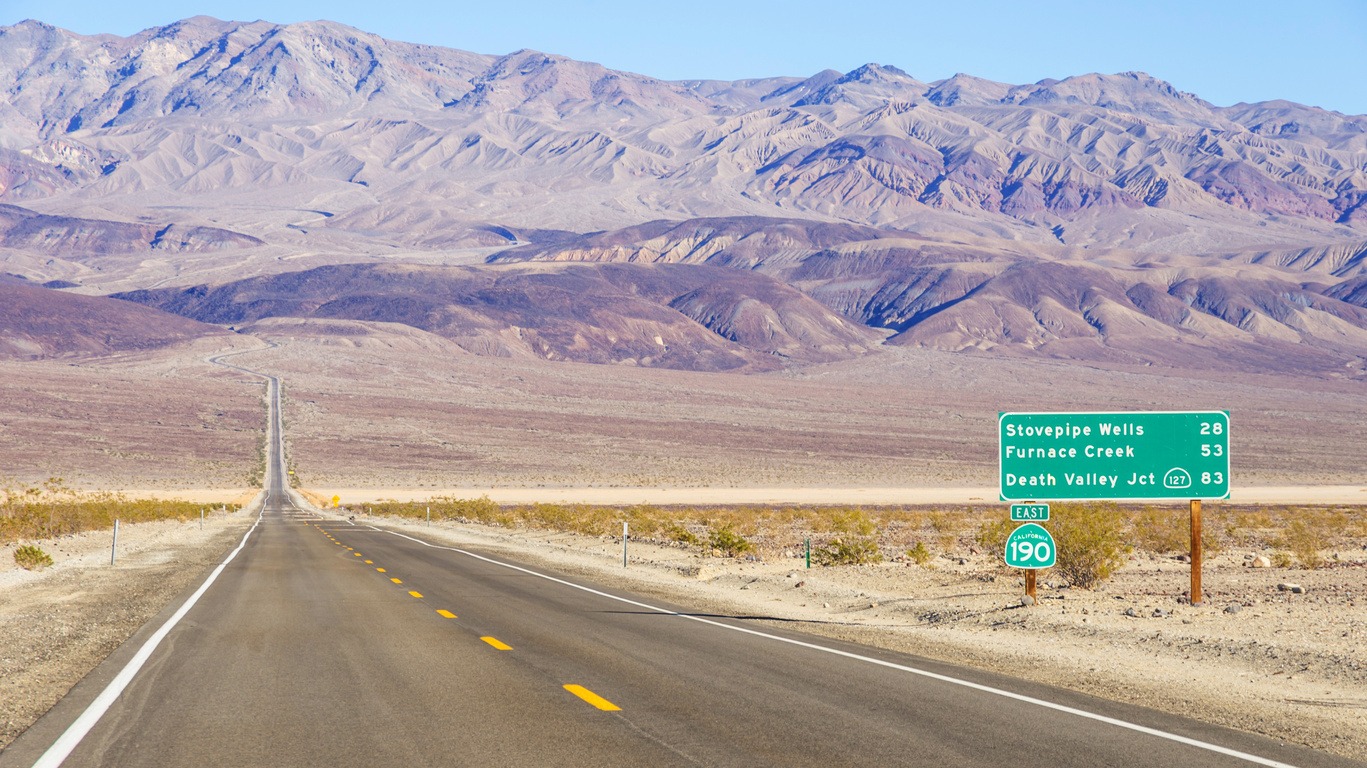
{"x": 1114, "y": 455}
{"x": 1029, "y": 511}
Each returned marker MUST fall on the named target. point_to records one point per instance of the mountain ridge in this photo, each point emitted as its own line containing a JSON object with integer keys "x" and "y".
{"x": 1155, "y": 227}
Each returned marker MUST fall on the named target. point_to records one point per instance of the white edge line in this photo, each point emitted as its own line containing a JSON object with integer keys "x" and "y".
{"x": 68, "y": 741}
{"x": 932, "y": 675}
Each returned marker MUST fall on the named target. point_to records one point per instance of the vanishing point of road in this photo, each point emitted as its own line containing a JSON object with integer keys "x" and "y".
{"x": 322, "y": 642}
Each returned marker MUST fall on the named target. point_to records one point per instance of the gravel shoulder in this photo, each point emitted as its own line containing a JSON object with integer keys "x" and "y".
{"x": 58, "y": 624}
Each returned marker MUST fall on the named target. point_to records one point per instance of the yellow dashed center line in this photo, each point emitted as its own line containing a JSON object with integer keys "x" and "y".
{"x": 445, "y": 613}
{"x": 381, "y": 570}
{"x": 415, "y": 594}
{"x": 370, "y": 562}
{"x": 593, "y": 698}
{"x": 358, "y": 554}
{"x": 397, "y": 581}
{"x": 502, "y": 646}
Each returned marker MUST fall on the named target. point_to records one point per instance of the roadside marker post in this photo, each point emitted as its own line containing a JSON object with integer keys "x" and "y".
{"x": 114, "y": 547}
{"x": 429, "y": 516}
{"x": 809, "y": 551}
{"x": 624, "y": 543}
{"x": 201, "y": 518}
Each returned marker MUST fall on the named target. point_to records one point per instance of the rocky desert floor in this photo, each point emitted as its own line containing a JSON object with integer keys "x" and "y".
{"x": 395, "y": 408}
{"x": 164, "y": 419}
{"x": 405, "y": 410}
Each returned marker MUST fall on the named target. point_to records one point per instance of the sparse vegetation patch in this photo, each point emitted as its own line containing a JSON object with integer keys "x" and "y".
{"x": 53, "y": 509}
{"x": 1094, "y": 539}
{"x": 31, "y": 558}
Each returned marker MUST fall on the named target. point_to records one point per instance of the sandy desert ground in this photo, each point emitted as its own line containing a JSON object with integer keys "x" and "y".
{"x": 391, "y": 412}
{"x": 165, "y": 420}
{"x": 403, "y": 414}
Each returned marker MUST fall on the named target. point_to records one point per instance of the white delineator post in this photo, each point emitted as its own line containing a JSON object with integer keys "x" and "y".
{"x": 114, "y": 547}
{"x": 624, "y": 544}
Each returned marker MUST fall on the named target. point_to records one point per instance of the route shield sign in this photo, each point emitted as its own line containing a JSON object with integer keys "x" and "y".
{"x": 1030, "y": 546}
{"x": 1116, "y": 455}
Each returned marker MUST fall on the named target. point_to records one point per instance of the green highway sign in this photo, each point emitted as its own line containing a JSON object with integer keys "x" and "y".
{"x": 1030, "y": 546}
{"x": 1029, "y": 511}
{"x": 1115, "y": 455}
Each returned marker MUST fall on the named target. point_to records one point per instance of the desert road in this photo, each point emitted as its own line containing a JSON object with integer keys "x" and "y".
{"x": 322, "y": 642}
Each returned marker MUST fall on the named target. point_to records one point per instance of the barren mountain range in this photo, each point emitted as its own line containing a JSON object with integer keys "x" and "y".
{"x": 534, "y": 205}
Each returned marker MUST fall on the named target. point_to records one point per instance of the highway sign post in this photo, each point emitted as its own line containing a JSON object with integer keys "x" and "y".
{"x": 1030, "y": 547}
{"x": 1117, "y": 456}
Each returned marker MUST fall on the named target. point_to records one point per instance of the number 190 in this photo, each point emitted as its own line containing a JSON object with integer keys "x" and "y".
{"x": 1025, "y": 551}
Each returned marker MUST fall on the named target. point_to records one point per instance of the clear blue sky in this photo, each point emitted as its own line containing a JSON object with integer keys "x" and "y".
{"x": 1311, "y": 51}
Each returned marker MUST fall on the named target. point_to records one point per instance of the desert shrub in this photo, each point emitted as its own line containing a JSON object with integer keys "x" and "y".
{"x": 727, "y": 541}
{"x": 1161, "y": 531}
{"x": 992, "y": 535}
{"x": 940, "y": 523}
{"x": 31, "y": 558}
{"x": 481, "y": 510}
{"x": 646, "y": 520}
{"x": 676, "y": 532}
{"x": 1090, "y": 540}
{"x": 850, "y": 550}
{"x": 53, "y": 509}
{"x": 853, "y": 521}
{"x": 1282, "y": 559}
{"x": 1305, "y": 539}
{"x": 919, "y": 554}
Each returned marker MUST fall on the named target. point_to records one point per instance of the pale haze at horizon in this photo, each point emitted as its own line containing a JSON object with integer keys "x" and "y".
{"x": 1225, "y": 52}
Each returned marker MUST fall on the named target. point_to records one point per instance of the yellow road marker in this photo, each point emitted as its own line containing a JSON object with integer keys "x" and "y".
{"x": 445, "y": 613}
{"x": 415, "y": 594}
{"x": 502, "y": 646}
{"x": 358, "y": 554}
{"x": 397, "y": 581}
{"x": 593, "y": 698}
{"x": 381, "y": 570}
{"x": 370, "y": 562}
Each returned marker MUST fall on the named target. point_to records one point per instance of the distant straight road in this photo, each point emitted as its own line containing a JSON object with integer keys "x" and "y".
{"x": 326, "y": 643}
